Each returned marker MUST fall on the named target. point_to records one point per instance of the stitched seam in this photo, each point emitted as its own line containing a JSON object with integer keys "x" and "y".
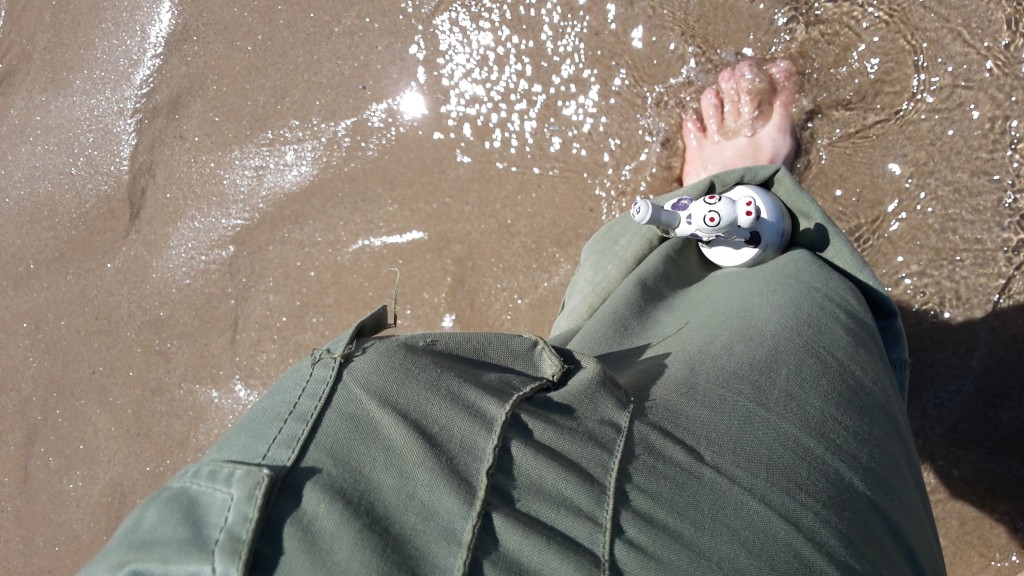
{"x": 552, "y": 357}
{"x": 227, "y": 515}
{"x": 491, "y": 461}
{"x": 243, "y": 558}
{"x": 193, "y": 483}
{"x": 611, "y": 480}
{"x": 311, "y": 421}
{"x": 314, "y": 358}
{"x": 220, "y": 534}
{"x": 253, "y": 516}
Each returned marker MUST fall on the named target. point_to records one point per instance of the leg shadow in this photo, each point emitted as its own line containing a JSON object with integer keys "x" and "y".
{"x": 966, "y": 407}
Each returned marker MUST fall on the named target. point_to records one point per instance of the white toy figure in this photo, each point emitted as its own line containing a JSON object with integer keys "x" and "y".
{"x": 743, "y": 226}
{"x": 704, "y": 219}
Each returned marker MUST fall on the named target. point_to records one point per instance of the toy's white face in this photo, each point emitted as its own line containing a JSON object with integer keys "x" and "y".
{"x": 716, "y": 214}
{"x": 712, "y": 216}
{"x": 712, "y": 219}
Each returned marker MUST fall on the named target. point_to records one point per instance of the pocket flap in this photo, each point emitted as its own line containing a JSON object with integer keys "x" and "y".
{"x": 202, "y": 522}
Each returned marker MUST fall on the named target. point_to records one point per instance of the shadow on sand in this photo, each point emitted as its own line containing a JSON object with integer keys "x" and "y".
{"x": 966, "y": 407}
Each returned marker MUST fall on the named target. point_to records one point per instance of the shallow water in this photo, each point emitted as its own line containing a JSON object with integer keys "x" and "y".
{"x": 193, "y": 196}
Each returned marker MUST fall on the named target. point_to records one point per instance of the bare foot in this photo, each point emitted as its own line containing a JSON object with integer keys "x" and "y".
{"x": 746, "y": 120}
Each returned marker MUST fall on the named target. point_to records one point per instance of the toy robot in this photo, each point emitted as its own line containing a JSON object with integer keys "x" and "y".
{"x": 743, "y": 226}
{"x": 704, "y": 219}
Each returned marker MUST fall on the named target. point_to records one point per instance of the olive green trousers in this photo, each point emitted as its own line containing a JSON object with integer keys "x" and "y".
{"x": 680, "y": 419}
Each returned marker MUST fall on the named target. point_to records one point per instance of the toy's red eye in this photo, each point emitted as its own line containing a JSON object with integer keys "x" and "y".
{"x": 712, "y": 219}
{"x": 712, "y": 199}
{"x": 749, "y": 213}
{"x": 750, "y": 202}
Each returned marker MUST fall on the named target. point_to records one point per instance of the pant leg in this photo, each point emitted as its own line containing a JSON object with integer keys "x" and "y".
{"x": 208, "y": 516}
{"x": 656, "y": 444}
{"x": 450, "y": 453}
{"x": 770, "y": 432}
{"x": 769, "y": 435}
{"x": 618, "y": 248}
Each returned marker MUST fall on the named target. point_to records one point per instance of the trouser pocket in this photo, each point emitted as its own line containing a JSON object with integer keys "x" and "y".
{"x": 202, "y": 522}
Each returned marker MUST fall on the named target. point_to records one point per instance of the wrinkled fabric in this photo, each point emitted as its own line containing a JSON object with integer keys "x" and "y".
{"x": 680, "y": 419}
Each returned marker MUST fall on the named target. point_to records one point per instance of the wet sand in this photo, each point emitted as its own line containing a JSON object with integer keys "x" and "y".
{"x": 194, "y": 196}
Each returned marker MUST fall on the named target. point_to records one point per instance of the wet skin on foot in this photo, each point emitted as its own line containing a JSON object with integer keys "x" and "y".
{"x": 746, "y": 119}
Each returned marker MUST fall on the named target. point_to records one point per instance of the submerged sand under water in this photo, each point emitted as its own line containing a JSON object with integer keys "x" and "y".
{"x": 193, "y": 196}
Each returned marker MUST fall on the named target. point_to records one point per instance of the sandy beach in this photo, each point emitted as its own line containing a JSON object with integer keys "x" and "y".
{"x": 193, "y": 196}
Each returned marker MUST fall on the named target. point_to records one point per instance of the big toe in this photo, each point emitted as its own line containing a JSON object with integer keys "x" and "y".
{"x": 756, "y": 95}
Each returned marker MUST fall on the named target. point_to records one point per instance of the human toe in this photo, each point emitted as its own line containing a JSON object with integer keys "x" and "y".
{"x": 730, "y": 97}
{"x": 746, "y": 68}
{"x": 711, "y": 109}
{"x": 693, "y": 129}
{"x": 755, "y": 98}
{"x": 785, "y": 81}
